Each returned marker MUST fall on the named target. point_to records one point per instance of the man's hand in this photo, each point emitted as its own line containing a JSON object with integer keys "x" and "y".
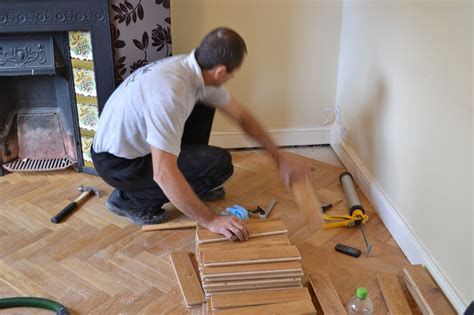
{"x": 292, "y": 168}
{"x": 229, "y": 226}
{"x": 178, "y": 191}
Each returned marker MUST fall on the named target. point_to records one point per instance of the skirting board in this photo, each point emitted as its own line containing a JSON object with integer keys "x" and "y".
{"x": 282, "y": 137}
{"x": 396, "y": 225}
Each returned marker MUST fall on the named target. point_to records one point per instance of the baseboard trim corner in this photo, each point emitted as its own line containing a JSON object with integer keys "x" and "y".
{"x": 282, "y": 137}
{"x": 405, "y": 237}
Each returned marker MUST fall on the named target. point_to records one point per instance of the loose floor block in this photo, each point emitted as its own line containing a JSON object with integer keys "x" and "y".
{"x": 256, "y": 228}
{"x": 328, "y": 298}
{"x": 246, "y": 299}
{"x": 188, "y": 279}
{"x": 296, "y": 308}
{"x": 250, "y": 256}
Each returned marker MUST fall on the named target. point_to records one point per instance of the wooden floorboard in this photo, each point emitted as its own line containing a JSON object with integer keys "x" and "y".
{"x": 98, "y": 263}
{"x": 255, "y": 227}
{"x": 187, "y": 278}
{"x": 392, "y": 292}
{"x": 327, "y": 296}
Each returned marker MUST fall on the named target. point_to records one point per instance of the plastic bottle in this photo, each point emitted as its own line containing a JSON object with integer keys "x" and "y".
{"x": 360, "y": 304}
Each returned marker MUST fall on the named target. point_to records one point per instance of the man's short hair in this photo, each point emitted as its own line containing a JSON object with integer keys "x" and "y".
{"x": 221, "y": 46}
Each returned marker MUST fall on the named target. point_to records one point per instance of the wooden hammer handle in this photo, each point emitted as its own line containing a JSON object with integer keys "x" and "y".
{"x": 69, "y": 208}
{"x": 168, "y": 226}
{"x": 82, "y": 196}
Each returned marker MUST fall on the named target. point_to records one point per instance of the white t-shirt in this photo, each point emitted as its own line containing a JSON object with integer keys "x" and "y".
{"x": 151, "y": 107}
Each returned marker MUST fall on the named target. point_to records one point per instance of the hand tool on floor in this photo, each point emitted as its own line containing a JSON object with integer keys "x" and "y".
{"x": 356, "y": 217}
{"x": 244, "y": 214}
{"x": 326, "y": 206}
{"x": 263, "y": 213}
{"x": 86, "y": 191}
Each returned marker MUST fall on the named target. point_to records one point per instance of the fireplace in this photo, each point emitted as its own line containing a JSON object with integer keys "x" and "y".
{"x": 56, "y": 73}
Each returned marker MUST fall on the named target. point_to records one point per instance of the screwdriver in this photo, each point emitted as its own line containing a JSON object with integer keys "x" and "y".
{"x": 369, "y": 246}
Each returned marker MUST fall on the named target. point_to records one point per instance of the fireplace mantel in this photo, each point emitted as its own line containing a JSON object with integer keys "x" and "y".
{"x": 21, "y": 16}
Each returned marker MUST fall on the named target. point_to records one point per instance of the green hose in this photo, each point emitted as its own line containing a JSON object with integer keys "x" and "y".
{"x": 34, "y": 302}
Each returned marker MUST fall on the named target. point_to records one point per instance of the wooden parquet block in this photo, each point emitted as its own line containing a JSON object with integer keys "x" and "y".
{"x": 425, "y": 291}
{"x": 251, "y": 269}
{"x": 308, "y": 203}
{"x": 256, "y": 228}
{"x": 327, "y": 295}
{"x": 187, "y": 278}
{"x": 305, "y": 307}
{"x": 251, "y": 255}
{"x": 250, "y": 289}
{"x": 393, "y": 294}
{"x": 246, "y": 299}
{"x": 273, "y": 240}
{"x": 252, "y": 283}
{"x": 274, "y": 275}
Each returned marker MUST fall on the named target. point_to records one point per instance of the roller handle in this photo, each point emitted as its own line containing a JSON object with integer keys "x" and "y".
{"x": 64, "y": 213}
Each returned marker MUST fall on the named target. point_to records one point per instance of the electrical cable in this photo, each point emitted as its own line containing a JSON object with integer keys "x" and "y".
{"x": 34, "y": 302}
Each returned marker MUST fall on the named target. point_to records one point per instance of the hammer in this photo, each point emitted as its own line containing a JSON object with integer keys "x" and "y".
{"x": 86, "y": 191}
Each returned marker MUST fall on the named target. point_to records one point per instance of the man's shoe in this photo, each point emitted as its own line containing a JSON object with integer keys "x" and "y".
{"x": 213, "y": 195}
{"x": 127, "y": 208}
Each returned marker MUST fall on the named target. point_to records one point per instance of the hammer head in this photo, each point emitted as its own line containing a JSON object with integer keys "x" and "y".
{"x": 89, "y": 189}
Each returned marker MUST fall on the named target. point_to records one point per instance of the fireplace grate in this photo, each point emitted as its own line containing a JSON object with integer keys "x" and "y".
{"x": 39, "y": 165}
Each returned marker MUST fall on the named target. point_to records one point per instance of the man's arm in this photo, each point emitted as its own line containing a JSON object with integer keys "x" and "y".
{"x": 168, "y": 176}
{"x": 291, "y": 167}
{"x": 251, "y": 126}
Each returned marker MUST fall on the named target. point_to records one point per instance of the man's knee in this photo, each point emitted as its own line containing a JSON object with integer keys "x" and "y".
{"x": 224, "y": 161}
{"x": 208, "y": 164}
{"x": 222, "y": 167}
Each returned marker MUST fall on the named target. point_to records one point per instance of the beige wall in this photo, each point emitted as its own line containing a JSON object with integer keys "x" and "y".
{"x": 405, "y": 89}
{"x": 289, "y": 75}
{"x": 404, "y": 86}
{"x": 472, "y": 126}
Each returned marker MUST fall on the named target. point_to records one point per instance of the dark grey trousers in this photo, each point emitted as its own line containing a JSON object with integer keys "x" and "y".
{"x": 204, "y": 167}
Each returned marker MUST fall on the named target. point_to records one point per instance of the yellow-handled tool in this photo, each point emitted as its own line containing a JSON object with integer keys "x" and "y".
{"x": 356, "y": 215}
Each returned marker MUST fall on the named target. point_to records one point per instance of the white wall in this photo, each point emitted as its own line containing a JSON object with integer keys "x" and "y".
{"x": 289, "y": 76}
{"x": 405, "y": 89}
{"x": 404, "y": 86}
{"x": 472, "y": 178}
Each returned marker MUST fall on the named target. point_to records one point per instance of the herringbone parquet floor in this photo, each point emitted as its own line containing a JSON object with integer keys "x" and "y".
{"x": 98, "y": 263}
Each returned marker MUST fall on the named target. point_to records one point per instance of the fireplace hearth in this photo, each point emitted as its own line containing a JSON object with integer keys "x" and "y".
{"x": 56, "y": 73}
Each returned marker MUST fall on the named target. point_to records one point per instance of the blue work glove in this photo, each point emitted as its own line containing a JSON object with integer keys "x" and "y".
{"x": 238, "y": 211}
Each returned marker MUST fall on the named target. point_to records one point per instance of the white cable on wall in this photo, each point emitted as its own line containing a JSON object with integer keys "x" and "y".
{"x": 328, "y": 120}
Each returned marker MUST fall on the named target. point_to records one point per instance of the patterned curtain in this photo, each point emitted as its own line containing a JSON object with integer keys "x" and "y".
{"x": 140, "y": 33}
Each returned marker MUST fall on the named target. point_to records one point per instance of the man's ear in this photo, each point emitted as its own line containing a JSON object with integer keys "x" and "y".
{"x": 220, "y": 72}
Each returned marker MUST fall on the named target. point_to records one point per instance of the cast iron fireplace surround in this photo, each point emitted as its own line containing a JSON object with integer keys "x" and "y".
{"x": 46, "y": 23}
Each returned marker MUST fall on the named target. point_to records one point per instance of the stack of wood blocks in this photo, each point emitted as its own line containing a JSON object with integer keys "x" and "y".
{"x": 267, "y": 264}
{"x": 266, "y": 260}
